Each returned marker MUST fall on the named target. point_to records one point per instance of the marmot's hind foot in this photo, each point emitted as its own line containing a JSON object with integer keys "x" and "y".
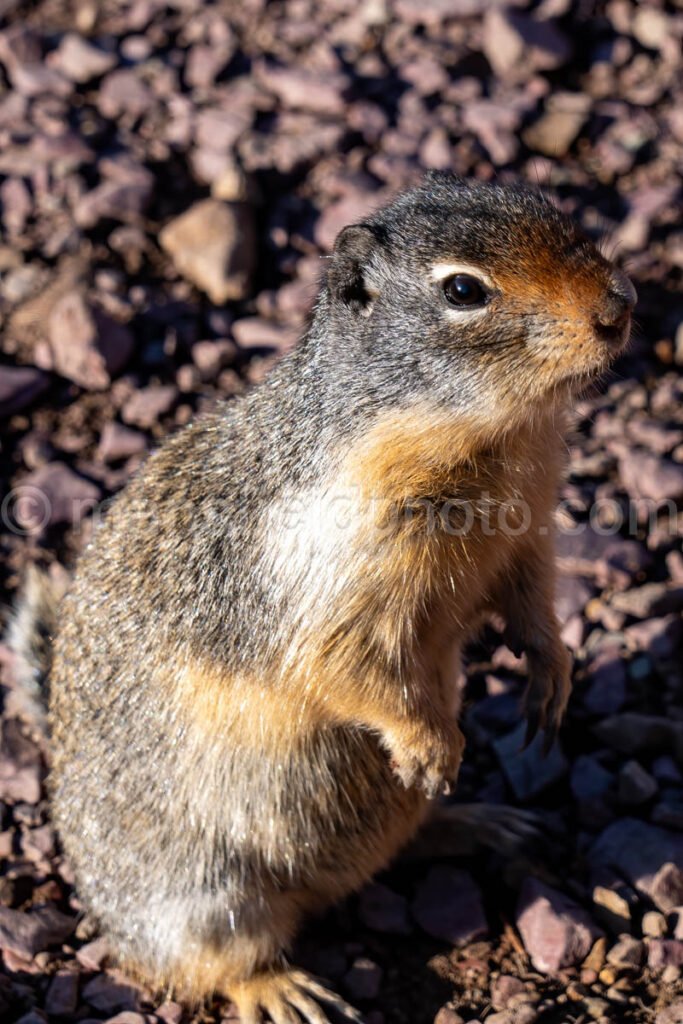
{"x": 289, "y": 997}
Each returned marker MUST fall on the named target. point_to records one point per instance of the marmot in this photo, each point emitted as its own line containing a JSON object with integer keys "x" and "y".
{"x": 253, "y": 694}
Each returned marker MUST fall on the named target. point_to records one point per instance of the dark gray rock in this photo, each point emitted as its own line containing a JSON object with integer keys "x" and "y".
{"x": 638, "y": 851}
{"x": 61, "y": 998}
{"x": 20, "y": 386}
{"x": 528, "y": 771}
{"x": 383, "y": 910}
{"x": 635, "y": 786}
{"x": 27, "y": 933}
{"x": 364, "y": 979}
{"x": 589, "y": 780}
{"x": 448, "y": 906}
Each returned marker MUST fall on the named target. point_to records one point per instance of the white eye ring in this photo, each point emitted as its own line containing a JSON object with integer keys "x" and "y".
{"x": 443, "y": 270}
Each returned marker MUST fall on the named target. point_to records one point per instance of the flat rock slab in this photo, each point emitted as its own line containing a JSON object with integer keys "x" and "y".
{"x": 212, "y": 245}
{"x": 448, "y": 906}
{"x": 556, "y": 932}
{"x": 528, "y": 771}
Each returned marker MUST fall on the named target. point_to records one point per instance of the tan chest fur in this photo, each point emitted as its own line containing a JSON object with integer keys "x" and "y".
{"x": 431, "y": 516}
{"x": 386, "y": 569}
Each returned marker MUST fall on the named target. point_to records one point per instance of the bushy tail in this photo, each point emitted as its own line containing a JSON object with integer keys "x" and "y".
{"x": 30, "y": 631}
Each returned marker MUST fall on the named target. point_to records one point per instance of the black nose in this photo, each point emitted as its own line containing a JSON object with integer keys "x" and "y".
{"x": 620, "y": 298}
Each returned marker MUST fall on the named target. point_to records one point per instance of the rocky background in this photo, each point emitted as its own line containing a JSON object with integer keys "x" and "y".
{"x": 172, "y": 175}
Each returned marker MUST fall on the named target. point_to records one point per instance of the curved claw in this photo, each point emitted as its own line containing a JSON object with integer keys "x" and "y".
{"x": 546, "y": 696}
{"x": 319, "y": 991}
{"x": 289, "y": 997}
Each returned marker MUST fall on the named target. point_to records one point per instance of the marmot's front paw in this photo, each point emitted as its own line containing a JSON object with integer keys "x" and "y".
{"x": 429, "y": 757}
{"x": 547, "y": 692}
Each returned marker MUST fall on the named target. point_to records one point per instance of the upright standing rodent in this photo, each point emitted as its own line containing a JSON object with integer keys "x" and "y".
{"x": 253, "y": 689}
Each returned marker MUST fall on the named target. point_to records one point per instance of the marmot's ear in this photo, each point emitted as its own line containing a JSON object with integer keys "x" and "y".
{"x": 348, "y": 274}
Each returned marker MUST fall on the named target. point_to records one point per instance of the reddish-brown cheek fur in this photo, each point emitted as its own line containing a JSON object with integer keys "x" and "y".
{"x": 566, "y": 305}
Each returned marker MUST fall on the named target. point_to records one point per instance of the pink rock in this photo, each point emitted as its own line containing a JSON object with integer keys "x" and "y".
{"x": 35, "y": 79}
{"x": 434, "y": 12}
{"x": 573, "y": 632}
{"x": 210, "y": 357}
{"x": 556, "y": 932}
{"x": 504, "y": 988}
{"x": 213, "y": 245}
{"x": 660, "y": 637}
{"x": 426, "y": 74}
{"x": 512, "y": 37}
{"x": 572, "y": 594}
{"x": 655, "y": 435}
{"x": 21, "y": 767}
{"x": 119, "y": 442}
{"x": 79, "y": 60}
{"x": 123, "y": 92}
{"x": 22, "y": 965}
{"x": 17, "y": 204}
{"x": 448, "y": 906}
{"x": 127, "y": 1017}
{"x": 348, "y": 210}
{"x": 447, "y": 1015}
{"x": 38, "y": 844}
{"x": 112, "y": 200}
{"x": 495, "y": 125}
{"x": 254, "y": 333}
{"x": 27, "y": 933}
{"x": 64, "y": 151}
{"x": 301, "y": 89}
{"x": 170, "y": 1012}
{"x": 673, "y": 1014}
{"x": 651, "y": 477}
{"x": 663, "y": 953}
{"x": 93, "y": 954}
{"x": 627, "y": 952}
{"x": 210, "y": 165}
{"x": 219, "y": 129}
{"x": 581, "y": 549}
{"x": 86, "y": 345}
{"x": 666, "y": 890}
{"x": 435, "y": 150}
{"x": 72, "y": 333}
{"x": 295, "y": 298}
{"x": 145, "y": 406}
{"x": 54, "y": 494}
{"x": 205, "y": 63}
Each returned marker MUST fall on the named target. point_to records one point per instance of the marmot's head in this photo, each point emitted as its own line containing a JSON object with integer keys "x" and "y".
{"x": 486, "y": 296}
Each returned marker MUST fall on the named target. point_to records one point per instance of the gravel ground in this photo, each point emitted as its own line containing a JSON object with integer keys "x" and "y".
{"x": 172, "y": 174}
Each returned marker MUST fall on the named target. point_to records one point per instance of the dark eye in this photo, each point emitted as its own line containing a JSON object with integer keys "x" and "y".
{"x": 464, "y": 290}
